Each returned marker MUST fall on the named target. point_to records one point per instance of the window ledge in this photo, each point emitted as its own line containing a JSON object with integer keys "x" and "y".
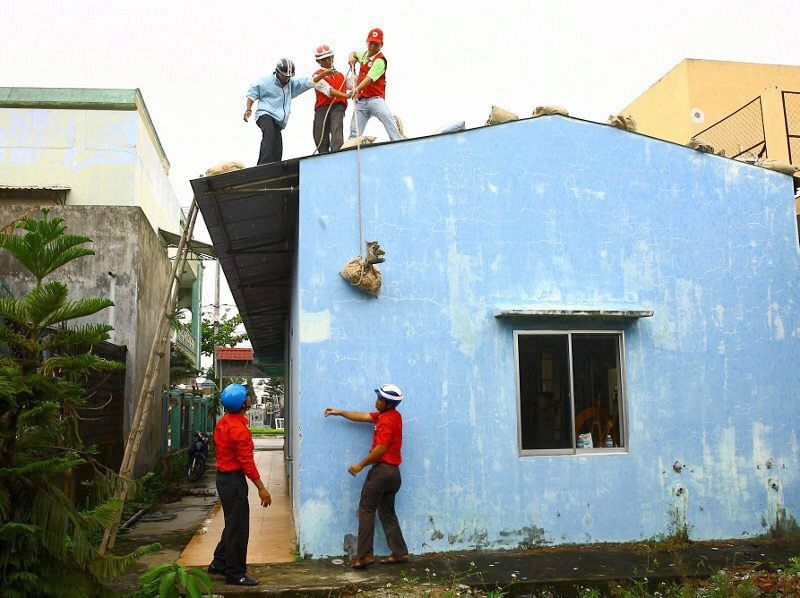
{"x": 592, "y": 452}
{"x": 572, "y": 312}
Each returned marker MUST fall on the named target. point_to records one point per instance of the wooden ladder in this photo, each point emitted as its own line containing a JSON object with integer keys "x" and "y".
{"x": 147, "y": 393}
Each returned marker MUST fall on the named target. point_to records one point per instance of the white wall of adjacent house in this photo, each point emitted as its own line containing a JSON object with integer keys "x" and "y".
{"x": 106, "y": 157}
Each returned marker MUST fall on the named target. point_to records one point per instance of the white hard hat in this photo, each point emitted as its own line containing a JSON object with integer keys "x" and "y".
{"x": 323, "y": 51}
{"x": 390, "y": 392}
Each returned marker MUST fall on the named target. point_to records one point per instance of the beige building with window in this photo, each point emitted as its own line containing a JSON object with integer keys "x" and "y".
{"x": 749, "y": 110}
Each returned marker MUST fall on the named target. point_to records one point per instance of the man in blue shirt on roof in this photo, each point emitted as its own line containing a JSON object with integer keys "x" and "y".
{"x": 274, "y": 95}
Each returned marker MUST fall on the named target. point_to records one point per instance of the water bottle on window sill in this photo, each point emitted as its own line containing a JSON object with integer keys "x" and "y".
{"x": 609, "y": 443}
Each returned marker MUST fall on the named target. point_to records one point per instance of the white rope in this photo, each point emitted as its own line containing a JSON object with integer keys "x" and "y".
{"x": 327, "y": 112}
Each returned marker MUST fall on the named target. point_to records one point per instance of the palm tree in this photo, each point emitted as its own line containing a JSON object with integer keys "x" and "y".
{"x": 47, "y": 545}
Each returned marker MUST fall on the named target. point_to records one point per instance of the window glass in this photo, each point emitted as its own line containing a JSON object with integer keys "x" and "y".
{"x": 544, "y": 391}
{"x": 550, "y": 417}
{"x": 595, "y": 367}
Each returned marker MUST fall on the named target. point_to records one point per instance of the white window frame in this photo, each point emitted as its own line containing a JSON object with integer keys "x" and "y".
{"x": 623, "y": 395}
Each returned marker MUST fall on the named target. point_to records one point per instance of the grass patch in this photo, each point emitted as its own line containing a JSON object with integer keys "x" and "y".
{"x": 261, "y": 431}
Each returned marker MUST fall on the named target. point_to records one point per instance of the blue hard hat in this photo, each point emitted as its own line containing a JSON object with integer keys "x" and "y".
{"x": 233, "y": 397}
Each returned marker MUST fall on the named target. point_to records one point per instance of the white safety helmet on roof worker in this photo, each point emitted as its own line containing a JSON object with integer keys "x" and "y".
{"x": 390, "y": 392}
{"x": 323, "y": 51}
{"x": 285, "y": 67}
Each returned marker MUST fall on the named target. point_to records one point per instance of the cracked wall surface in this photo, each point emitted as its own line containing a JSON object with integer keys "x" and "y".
{"x": 549, "y": 212}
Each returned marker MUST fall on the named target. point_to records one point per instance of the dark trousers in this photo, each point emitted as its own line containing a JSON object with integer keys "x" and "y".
{"x": 380, "y": 488}
{"x": 329, "y": 132}
{"x": 271, "y": 140}
{"x": 231, "y": 553}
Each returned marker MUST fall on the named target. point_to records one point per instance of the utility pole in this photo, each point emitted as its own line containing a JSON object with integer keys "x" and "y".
{"x": 216, "y": 324}
{"x": 216, "y": 300}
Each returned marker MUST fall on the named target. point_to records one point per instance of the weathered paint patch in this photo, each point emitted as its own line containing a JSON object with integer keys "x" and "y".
{"x": 315, "y": 327}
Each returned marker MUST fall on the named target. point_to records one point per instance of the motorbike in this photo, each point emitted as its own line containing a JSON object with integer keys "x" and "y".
{"x": 198, "y": 455}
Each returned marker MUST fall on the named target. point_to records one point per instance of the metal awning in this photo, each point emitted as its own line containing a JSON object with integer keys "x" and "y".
{"x": 251, "y": 216}
{"x": 35, "y": 194}
{"x": 204, "y": 250}
{"x": 575, "y": 312}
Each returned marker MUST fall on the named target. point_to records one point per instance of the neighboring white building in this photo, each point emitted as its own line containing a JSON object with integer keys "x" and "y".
{"x": 100, "y": 143}
{"x": 96, "y": 156}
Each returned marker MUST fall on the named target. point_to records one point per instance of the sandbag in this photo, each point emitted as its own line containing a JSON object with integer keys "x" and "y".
{"x": 451, "y": 128}
{"x": 778, "y": 166}
{"x": 700, "y": 146}
{"x": 548, "y": 110}
{"x": 224, "y": 167}
{"x": 499, "y": 115}
{"x": 364, "y": 276}
{"x": 399, "y": 124}
{"x": 353, "y": 141}
{"x": 623, "y": 121}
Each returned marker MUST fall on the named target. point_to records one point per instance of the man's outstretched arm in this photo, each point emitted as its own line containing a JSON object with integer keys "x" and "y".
{"x": 355, "y": 416}
{"x": 373, "y": 457}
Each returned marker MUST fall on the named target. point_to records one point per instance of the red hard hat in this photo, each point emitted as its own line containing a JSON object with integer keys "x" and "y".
{"x": 375, "y": 35}
{"x": 323, "y": 51}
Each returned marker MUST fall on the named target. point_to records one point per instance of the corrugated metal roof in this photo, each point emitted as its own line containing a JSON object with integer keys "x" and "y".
{"x": 235, "y": 353}
{"x": 36, "y": 187}
{"x": 198, "y": 247}
{"x": 251, "y": 216}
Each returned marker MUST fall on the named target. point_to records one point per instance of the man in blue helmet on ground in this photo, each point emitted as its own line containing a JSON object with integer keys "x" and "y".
{"x": 383, "y": 480}
{"x": 235, "y": 463}
{"x": 274, "y": 95}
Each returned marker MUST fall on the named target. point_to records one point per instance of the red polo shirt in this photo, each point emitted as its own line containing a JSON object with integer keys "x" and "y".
{"x": 389, "y": 432}
{"x": 234, "y": 444}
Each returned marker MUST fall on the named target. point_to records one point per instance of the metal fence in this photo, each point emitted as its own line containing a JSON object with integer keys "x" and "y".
{"x": 740, "y": 134}
{"x": 184, "y": 414}
{"x": 102, "y": 415}
{"x": 101, "y": 419}
{"x": 791, "y": 113}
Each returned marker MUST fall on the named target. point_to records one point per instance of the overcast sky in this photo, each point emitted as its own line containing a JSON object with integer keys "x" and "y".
{"x": 447, "y": 61}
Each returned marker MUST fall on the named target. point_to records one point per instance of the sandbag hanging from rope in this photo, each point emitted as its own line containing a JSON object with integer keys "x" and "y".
{"x": 364, "y": 276}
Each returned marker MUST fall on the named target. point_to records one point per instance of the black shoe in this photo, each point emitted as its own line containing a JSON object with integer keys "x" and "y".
{"x": 241, "y": 581}
{"x": 214, "y": 570}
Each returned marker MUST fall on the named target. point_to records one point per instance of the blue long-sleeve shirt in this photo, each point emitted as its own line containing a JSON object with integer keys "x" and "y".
{"x": 275, "y": 99}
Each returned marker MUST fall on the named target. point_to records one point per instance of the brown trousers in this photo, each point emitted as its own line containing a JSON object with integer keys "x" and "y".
{"x": 329, "y": 128}
{"x": 380, "y": 488}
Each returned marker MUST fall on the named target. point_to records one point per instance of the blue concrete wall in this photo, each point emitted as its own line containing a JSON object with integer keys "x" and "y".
{"x": 564, "y": 213}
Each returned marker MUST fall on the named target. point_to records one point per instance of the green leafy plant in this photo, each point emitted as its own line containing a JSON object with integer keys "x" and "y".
{"x": 173, "y": 580}
{"x": 230, "y": 332}
{"x": 47, "y": 545}
{"x": 794, "y": 566}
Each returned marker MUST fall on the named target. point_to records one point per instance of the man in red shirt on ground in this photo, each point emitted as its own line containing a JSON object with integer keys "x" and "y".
{"x": 383, "y": 480}
{"x": 234, "y": 450}
{"x": 331, "y": 103}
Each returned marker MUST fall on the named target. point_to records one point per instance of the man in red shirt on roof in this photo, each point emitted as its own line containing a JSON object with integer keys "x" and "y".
{"x": 234, "y": 450}
{"x": 370, "y": 90}
{"x": 331, "y": 103}
{"x": 383, "y": 480}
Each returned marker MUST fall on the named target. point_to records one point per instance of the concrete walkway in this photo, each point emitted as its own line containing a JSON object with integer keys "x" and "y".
{"x": 517, "y": 573}
{"x": 271, "y": 529}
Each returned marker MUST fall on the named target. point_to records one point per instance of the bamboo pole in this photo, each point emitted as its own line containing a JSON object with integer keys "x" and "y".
{"x": 147, "y": 392}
